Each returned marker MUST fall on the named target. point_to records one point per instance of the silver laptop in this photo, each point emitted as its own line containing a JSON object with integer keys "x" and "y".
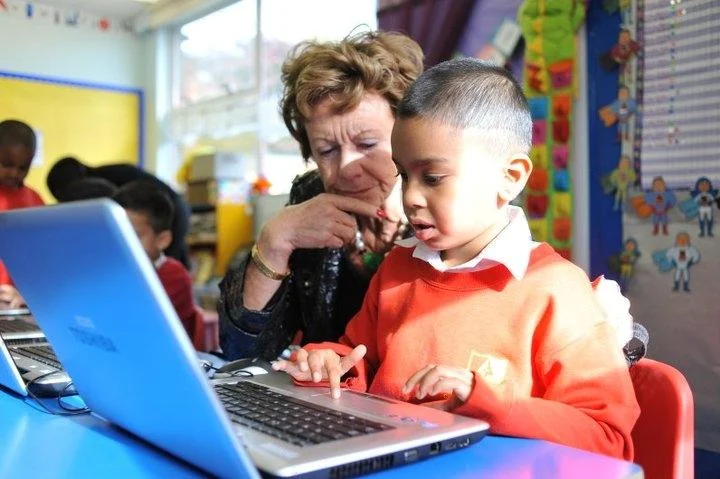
{"x": 6, "y": 311}
{"x": 20, "y": 326}
{"x": 101, "y": 304}
{"x": 30, "y": 367}
{"x": 28, "y": 364}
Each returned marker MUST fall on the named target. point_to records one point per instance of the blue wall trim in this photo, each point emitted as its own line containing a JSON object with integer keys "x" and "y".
{"x": 605, "y": 223}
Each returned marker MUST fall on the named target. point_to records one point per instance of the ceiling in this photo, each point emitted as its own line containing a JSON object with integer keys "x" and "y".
{"x": 111, "y": 8}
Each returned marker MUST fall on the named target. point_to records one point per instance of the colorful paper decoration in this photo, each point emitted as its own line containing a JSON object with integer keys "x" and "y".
{"x": 561, "y": 180}
{"x": 620, "y": 53}
{"x": 620, "y": 180}
{"x": 704, "y": 198}
{"x": 561, "y": 105}
{"x": 623, "y": 263}
{"x": 538, "y": 107}
{"x": 549, "y": 29}
{"x": 620, "y": 111}
{"x": 679, "y": 257}
{"x": 538, "y": 229}
{"x": 560, "y": 154}
{"x": 661, "y": 201}
{"x": 539, "y": 132}
{"x": 539, "y": 156}
{"x": 536, "y": 205}
{"x": 562, "y": 229}
{"x": 66, "y": 16}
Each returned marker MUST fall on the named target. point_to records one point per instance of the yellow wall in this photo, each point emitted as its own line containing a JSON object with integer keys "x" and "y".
{"x": 95, "y": 125}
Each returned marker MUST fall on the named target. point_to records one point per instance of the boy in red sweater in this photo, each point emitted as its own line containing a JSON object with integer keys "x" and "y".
{"x": 17, "y": 149}
{"x": 471, "y": 315}
{"x": 151, "y": 213}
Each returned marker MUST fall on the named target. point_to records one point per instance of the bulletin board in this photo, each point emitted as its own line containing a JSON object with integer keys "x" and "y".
{"x": 98, "y": 124}
{"x": 681, "y": 97}
{"x": 665, "y": 249}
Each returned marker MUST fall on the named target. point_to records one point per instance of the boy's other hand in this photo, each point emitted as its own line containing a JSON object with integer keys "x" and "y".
{"x": 435, "y": 379}
{"x": 10, "y": 296}
{"x": 321, "y": 365}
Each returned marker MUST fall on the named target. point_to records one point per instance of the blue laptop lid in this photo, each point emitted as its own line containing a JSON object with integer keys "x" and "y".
{"x": 97, "y": 297}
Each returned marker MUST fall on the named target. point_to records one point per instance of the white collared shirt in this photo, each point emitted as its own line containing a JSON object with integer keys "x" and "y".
{"x": 160, "y": 261}
{"x": 511, "y": 247}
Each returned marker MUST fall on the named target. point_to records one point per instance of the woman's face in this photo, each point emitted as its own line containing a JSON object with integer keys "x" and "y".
{"x": 352, "y": 149}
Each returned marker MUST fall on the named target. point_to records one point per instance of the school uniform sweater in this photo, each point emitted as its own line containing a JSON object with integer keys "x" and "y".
{"x": 544, "y": 358}
{"x": 178, "y": 286}
{"x": 11, "y": 199}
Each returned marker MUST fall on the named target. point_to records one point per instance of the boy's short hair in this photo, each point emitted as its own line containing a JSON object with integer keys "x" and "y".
{"x": 85, "y": 189}
{"x": 62, "y": 173}
{"x": 467, "y": 93}
{"x": 145, "y": 197}
{"x": 16, "y": 132}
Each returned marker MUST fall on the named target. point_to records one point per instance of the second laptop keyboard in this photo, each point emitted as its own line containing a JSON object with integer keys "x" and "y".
{"x": 16, "y": 326}
{"x": 293, "y": 420}
{"x": 43, "y": 354}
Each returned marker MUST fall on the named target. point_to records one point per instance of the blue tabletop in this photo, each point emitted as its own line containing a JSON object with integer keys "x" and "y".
{"x": 35, "y": 443}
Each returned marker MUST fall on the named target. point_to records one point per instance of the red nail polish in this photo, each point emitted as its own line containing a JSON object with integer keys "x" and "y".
{"x": 381, "y": 213}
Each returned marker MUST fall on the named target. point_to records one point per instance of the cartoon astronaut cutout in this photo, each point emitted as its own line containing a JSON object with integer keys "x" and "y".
{"x": 682, "y": 256}
{"x": 704, "y": 196}
{"x": 660, "y": 200}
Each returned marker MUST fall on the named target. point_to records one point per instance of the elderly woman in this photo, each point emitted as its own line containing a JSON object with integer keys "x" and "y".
{"x": 311, "y": 266}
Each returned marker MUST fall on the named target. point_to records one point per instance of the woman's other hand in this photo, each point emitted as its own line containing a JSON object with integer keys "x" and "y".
{"x": 325, "y": 221}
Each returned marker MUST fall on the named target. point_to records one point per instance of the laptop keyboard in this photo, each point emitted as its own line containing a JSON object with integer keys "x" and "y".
{"x": 43, "y": 354}
{"x": 16, "y": 326}
{"x": 295, "y": 421}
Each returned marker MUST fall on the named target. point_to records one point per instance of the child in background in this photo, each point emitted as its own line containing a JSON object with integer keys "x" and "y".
{"x": 471, "y": 315}
{"x": 17, "y": 149}
{"x": 69, "y": 179}
{"x": 151, "y": 212}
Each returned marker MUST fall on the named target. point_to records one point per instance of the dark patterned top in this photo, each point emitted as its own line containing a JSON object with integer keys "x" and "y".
{"x": 322, "y": 293}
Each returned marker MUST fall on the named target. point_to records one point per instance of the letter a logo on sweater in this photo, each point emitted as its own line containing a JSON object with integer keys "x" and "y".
{"x": 492, "y": 369}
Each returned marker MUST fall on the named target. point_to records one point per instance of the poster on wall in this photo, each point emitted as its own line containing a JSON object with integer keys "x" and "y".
{"x": 666, "y": 182}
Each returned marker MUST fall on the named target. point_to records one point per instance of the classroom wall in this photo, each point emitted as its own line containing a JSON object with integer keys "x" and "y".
{"x": 80, "y": 54}
{"x": 83, "y": 55}
{"x": 482, "y": 26}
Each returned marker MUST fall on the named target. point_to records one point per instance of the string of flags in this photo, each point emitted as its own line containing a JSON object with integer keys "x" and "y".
{"x": 67, "y": 17}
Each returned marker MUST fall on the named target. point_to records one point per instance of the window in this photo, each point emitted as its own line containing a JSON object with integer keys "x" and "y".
{"x": 222, "y": 97}
{"x": 217, "y": 54}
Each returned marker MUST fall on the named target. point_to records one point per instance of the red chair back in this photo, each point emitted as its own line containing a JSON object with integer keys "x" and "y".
{"x": 206, "y": 331}
{"x": 664, "y": 435}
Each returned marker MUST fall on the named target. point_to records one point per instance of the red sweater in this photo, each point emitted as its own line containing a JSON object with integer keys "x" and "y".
{"x": 178, "y": 285}
{"x": 545, "y": 360}
{"x": 11, "y": 199}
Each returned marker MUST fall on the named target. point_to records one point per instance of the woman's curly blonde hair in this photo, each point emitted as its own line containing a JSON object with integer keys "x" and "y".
{"x": 385, "y": 63}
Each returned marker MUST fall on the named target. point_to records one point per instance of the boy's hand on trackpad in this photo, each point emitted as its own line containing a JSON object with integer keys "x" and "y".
{"x": 321, "y": 365}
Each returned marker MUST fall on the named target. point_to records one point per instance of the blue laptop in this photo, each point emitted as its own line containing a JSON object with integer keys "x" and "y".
{"x": 96, "y": 296}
